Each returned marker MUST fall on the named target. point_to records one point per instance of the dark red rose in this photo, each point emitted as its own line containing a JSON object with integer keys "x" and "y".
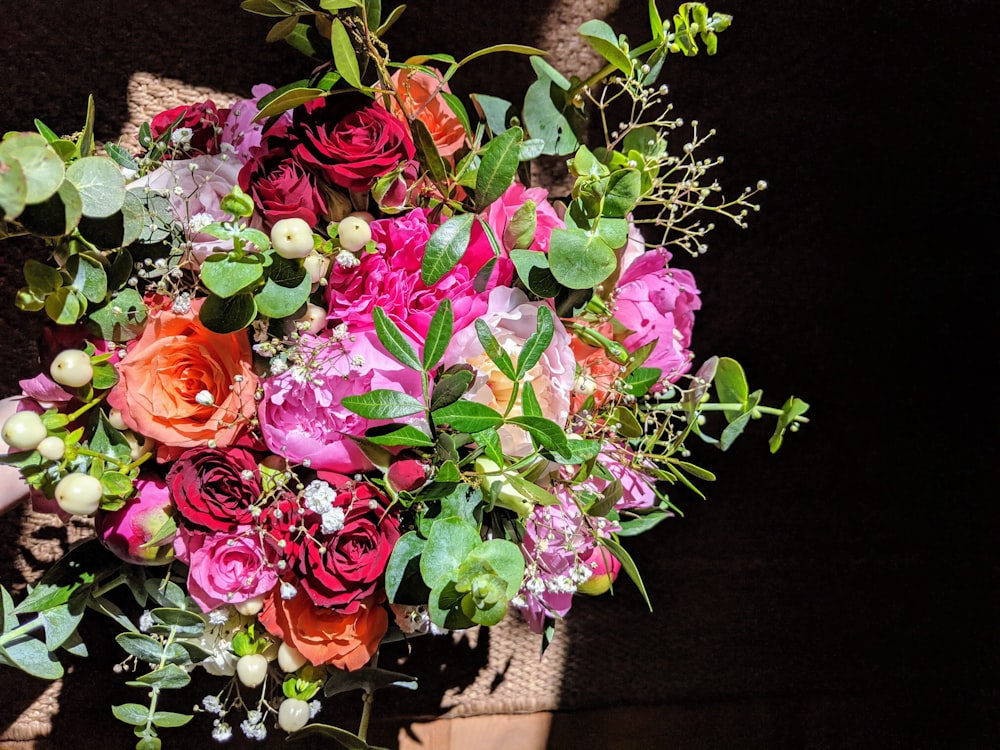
{"x": 352, "y": 149}
{"x": 340, "y": 567}
{"x": 280, "y": 186}
{"x": 214, "y": 488}
{"x": 205, "y": 121}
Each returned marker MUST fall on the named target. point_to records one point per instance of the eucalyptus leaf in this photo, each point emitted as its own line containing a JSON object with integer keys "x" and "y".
{"x": 32, "y": 656}
{"x": 170, "y": 677}
{"x": 601, "y": 37}
{"x": 449, "y": 542}
{"x": 368, "y": 679}
{"x": 57, "y": 215}
{"x": 403, "y": 581}
{"x": 226, "y": 275}
{"x": 228, "y": 315}
{"x": 42, "y": 168}
{"x": 731, "y": 385}
{"x": 88, "y": 277}
{"x": 100, "y": 184}
{"x": 131, "y": 713}
{"x": 791, "y": 410}
{"x": 580, "y": 260}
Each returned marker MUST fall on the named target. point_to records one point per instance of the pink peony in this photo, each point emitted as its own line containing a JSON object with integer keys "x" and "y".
{"x": 127, "y": 531}
{"x": 301, "y": 415}
{"x": 390, "y": 278}
{"x": 226, "y": 568}
{"x": 512, "y": 319}
{"x": 653, "y": 302}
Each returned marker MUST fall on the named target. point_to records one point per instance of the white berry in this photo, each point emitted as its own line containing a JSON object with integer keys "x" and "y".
{"x": 252, "y": 669}
{"x": 317, "y": 266}
{"x": 292, "y": 238}
{"x": 52, "y": 448}
{"x": 72, "y": 367}
{"x": 289, "y": 657}
{"x": 354, "y": 233}
{"x": 115, "y": 419}
{"x": 79, "y": 494}
{"x": 315, "y": 318}
{"x": 293, "y": 714}
{"x": 24, "y": 430}
{"x": 251, "y": 606}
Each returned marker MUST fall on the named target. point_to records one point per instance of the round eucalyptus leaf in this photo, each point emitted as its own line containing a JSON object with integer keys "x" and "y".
{"x": 43, "y": 169}
{"x": 101, "y": 185}
{"x": 56, "y": 216}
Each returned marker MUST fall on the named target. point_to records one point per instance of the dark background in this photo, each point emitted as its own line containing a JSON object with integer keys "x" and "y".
{"x": 842, "y": 594}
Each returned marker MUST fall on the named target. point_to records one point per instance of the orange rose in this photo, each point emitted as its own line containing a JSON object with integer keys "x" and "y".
{"x": 420, "y": 95}
{"x": 183, "y": 385}
{"x": 323, "y": 635}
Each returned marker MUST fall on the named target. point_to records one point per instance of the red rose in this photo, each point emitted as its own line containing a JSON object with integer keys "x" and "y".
{"x": 340, "y": 567}
{"x": 351, "y": 150}
{"x": 281, "y": 188}
{"x": 215, "y": 488}
{"x": 407, "y": 475}
{"x": 205, "y": 121}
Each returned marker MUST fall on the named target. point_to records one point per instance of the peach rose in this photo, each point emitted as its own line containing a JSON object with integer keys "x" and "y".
{"x": 322, "y": 635}
{"x": 419, "y": 93}
{"x": 183, "y": 385}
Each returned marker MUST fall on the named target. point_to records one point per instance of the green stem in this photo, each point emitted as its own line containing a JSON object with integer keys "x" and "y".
{"x": 610, "y": 68}
{"x": 367, "y": 700}
{"x": 724, "y": 407}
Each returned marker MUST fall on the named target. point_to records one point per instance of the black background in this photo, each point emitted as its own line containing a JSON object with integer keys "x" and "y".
{"x": 843, "y": 593}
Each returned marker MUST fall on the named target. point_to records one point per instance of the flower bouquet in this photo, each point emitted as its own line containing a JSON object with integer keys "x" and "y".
{"x": 327, "y": 372}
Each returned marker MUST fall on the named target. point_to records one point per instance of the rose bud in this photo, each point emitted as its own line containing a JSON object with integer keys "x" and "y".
{"x": 407, "y": 475}
{"x": 604, "y": 567}
{"x": 126, "y": 531}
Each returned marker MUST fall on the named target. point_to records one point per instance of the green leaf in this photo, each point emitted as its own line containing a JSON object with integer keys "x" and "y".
{"x": 368, "y": 679}
{"x": 602, "y": 38}
{"x": 445, "y": 247}
{"x": 580, "y": 260}
{"x": 100, "y": 184}
{"x": 383, "y": 403}
{"x": 489, "y": 440}
{"x": 32, "y": 656}
{"x": 287, "y": 100}
{"x": 13, "y": 188}
{"x": 226, "y": 275}
{"x": 344, "y": 738}
{"x": 533, "y": 269}
{"x": 89, "y": 277}
{"x": 731, "y": 385}
{"x": 498, "y": 167}
{"x": 407, "y": 435}
{"x": 336, "y": 5}
{"x": 42, "y": 278}
{"x": 736, "y": 426}
{"x": 427, "y": 152}
{"x": 494, "y": 110}
{"x": 543, "y": 70}
{"x": 792, "y": 409}
{"x": 438, "y": 335}
{"x": 65, "y": 306}
{"x": 544, "y": 119}
{"x": 468, "y": 416}
{"x": 170, "y": 677}
{"x": 520, "y": 49}
{"x": 492, "y": 347}
{"x": 131, "y": 713}
{"x": 449, "y": 542}
{"x": 622, "y": 193}
{"x": 643, "y": 523}
{"x": 628, "y": 565}
{"x": 394, "y": 341}
{"x": 228, "y": 315}
{"x": 545, "y": 432}
{"x": 285, "y": 291}
{"x": 403, "y": 582}
{"x": 120, "y": 228}
{"x": 451, "y": 387}
{"x": 170, "y": 719}
{"x": 42, "y": 168}
{"x": 143, "y": 647}
{"x": 444, "y": 605}
{"x": 529, "y": 401}
{"x": 57, "y": 215}
{"x": 344, "y": 57}
{"x": 536, "y": 344}
{"x": 122, "y": 318}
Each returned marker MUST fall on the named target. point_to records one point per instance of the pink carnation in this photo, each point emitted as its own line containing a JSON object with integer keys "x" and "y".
{"x": 301, "y": 415}
{"x": 390, "y": 278}
{"x": 654, "y": 302}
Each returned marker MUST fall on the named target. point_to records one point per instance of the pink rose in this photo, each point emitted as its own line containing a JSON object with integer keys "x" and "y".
{"x": 512, "y": 319}
{"x": 202, "y": 119}
{"x": 301, "y": 415}
{"x": 227, "y": 568}
{"x": 350, "y": 149}
{"x": 390, "y": 278}
{"x": 128, "y": 530}
{"x": 195, "y": 188}
{"x": 653, "y": 302}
